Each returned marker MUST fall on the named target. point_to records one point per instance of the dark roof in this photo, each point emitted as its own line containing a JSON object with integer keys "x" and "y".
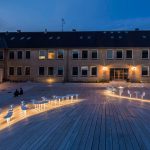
{"x": 75, "y": 39}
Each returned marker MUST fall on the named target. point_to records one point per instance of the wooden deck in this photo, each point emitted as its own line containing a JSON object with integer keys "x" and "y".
{"x": 98, "y": 123}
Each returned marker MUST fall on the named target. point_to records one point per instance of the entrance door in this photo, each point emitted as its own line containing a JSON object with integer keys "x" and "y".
{"x": 118, "y": 74}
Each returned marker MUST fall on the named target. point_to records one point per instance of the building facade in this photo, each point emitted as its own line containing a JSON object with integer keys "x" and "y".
{"x": 75, "y": 56}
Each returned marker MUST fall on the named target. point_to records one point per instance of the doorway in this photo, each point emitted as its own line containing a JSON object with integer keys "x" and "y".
{"x": 118, "y": 73}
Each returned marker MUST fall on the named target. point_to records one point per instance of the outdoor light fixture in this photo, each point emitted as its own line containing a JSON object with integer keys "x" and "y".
{"x": 133, "y": 68}
{"x": 104, "y": 68}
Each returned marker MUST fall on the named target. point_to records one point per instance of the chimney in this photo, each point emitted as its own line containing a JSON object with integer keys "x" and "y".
{"x": 45, "y": 31}
{"x": 18, "y": 31}
{"x": 137, "y": 29}
{"x": 73, "y": 30}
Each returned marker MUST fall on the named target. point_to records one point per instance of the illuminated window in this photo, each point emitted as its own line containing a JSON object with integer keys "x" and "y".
{"x": 60, "y": 54}
{"x": 145, "y": 70}
{"x": 84, "y": 70}
{"x": 42, "y": 54}
{"x": 51, "y": 54}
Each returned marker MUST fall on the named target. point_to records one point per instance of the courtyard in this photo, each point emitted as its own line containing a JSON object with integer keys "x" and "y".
{"x": 99, "y": 120}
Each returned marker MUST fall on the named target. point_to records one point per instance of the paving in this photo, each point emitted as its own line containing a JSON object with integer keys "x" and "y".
{"x": 100, "y": 121}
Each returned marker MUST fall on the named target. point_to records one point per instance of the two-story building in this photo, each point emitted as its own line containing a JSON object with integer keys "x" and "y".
{"x": 94, "y": 56}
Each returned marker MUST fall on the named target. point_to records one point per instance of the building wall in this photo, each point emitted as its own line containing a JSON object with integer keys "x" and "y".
{"x": 68, "y": 63}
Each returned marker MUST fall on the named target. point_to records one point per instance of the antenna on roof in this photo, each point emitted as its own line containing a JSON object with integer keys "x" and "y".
{"x": 62, "y": 23}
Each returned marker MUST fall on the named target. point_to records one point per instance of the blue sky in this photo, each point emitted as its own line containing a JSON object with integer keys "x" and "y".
{"x": 36, "y": 15}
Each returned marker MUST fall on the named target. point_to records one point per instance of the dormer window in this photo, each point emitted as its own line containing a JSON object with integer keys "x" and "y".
{"x": 81, "y": 37}
{"x": 28, "y": 38}
{"x": 51, "y": 37}
{"x": 58, "y": 37}
{"x": 22, "y": 38}
{"x": 12, "y": 38}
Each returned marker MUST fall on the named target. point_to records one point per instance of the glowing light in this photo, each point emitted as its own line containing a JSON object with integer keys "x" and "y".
{"x": 133, "y": 68}
{"x": 104, "y": 68}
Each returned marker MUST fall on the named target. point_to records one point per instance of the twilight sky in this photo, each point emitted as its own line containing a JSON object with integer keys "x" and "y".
{"x": 36, "y": 15}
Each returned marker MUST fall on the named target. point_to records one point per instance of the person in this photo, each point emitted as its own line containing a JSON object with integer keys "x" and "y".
{"x": 21, "y": 91}
{"x": 16, "y": 93}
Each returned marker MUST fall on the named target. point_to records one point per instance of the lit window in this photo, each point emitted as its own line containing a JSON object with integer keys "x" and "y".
{"x": 50, "y": 71}
{"x": 145, "y": 54}
{"x": 75, "y": 54}
{"x": 19, "y": 54}
{"x": 75, "y": 71}
{"x": 11, "y": 55}
{"x": 128, "y": 54}
{"x": 42, "y": 54}
{"x": 145, "y": 70}
{"x": 119, "y": 54}
{"x": 84, "y": 70}
{"x": 19, "y": 70}
{"x": 60, "y": 71}
{"x": 94, "y": 54}
{"x": 51, "y": 54}
{"x": 84, "y": 54}
{"x": 27, "y": 70}
{"x": 94, "y": 71}
{"x": 41, "y": 71}
{"x": 109, "y": 54}
{"x": 1, "y": 55}
{"x": 11, "y": 70}
{"x": 60, "y": 54}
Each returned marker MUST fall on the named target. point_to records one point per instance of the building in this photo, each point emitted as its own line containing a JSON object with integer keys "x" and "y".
{"x": 75, "y": 56}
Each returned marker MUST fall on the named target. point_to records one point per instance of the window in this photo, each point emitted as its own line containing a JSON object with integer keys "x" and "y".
{"x": 109, "y": 54}
{"x": 128, "y": 54}
{"x": 60, "y": 71}
{"x": 145, "y": 54}
{"x": 84, "y": 54}
{"x": 51, "y": 54}
{"x": 94, "y": 54}
{"x": 41, "y": 71}
{"x": 27, "y": 54}
{"x": 119, "y": 54}
{"x": 50, "y": 71}
{"x": 19, "y": 70}
{"x": 94, "y": 71}
{"x": 74, "y": 71}
{"x": 84, "y": 71}
{"x": 42, "y": 54}
{"x": 19, "y": 54}
{"x": 27, "y": 71}
{"x": 11, "y": 55}
{"x": 75, "y": 54}
{"x": 60, "y": 54}
{"x": 1, "y": 55}
{"x": 145, "y": 70}
{"x": 11, "y": 70}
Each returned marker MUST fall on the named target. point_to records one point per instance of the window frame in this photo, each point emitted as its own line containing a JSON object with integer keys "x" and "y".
{"x": 9, "y": 71}
{"x": 39, "y": 71}
{"x": 48, "y": 54}
{"x": 17, "y": 71}
{"x": 142, "y": 54}
{"x": 26, "y": 54}
{"x": 87, "y": 55}
{"x": 87, "y": 71}
{"x": 72, "y": 71}
{"x": 112, "y": 54}
{"x": 147, "y": 70}
{"x": 58, "y": 53}
{"x": 21, "y": 54}
{"x": 126, "y": 53}
{"x": 42, "y": 55}
{"x": 91, "y": 71}
{"x": 77, "y": 52}
{"x": 25, "y": 71}
{"x": 92, "y": 53}
{"x": 48, "y": 71}
{"x": 62, "y": 70}
{"x": 13, "y": 55}
{"x": 116, "y": 54}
